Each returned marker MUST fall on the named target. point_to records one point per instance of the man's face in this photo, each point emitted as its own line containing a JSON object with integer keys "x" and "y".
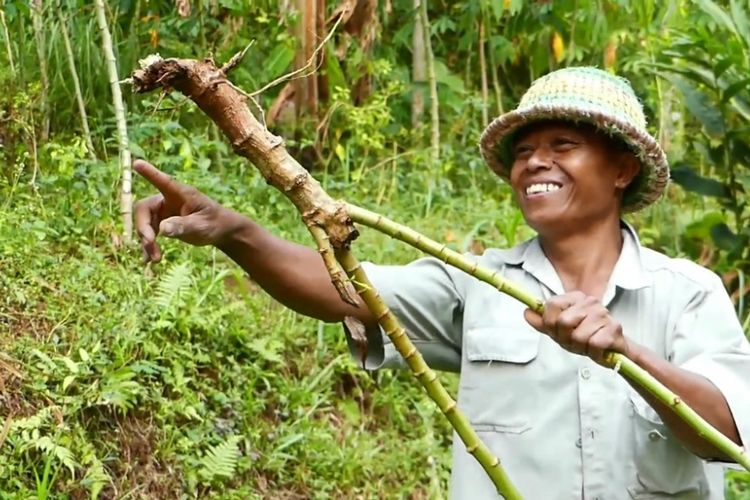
{"x": 567, "y": 176}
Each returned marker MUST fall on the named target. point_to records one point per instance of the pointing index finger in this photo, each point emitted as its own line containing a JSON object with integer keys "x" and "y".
{"x": 161, "y": 181}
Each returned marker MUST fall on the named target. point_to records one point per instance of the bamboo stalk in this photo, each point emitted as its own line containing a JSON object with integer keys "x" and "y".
{"x": 418, "y": 70}
{"x": 617, "y": 361}
{"x": 76, "y": 84}
{"x": 327, "y": 220}
{"x": 426, "y": 376}
{"x": 495, "y": 79}
{"x": 37, "y": 9}
{"x": 126, "y": 195}
{"x": 483, "y": 71}
{"x": 8, "y": 49}
{"x": 434, "y": 103}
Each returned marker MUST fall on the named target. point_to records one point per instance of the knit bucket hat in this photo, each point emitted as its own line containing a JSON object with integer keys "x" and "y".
{"x": 584, "y": 95}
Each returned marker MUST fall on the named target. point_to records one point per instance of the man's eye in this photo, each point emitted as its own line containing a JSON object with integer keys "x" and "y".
{"x": 565, "y": 144}
{"x": 523, "y": 151}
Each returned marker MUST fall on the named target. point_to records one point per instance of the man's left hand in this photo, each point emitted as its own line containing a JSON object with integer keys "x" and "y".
{"x": 581, "y": 325}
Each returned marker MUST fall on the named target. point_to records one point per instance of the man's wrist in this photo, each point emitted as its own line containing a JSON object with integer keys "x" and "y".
{"x": 237, "y": 232}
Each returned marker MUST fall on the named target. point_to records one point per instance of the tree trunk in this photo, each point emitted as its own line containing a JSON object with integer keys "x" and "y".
{"x": 418, "y": 68}
{"x": 126, "y": 195}
{"x": 306, "y": 88}
{"x": 76, "y": 84}
{"x": 37, "y": 11}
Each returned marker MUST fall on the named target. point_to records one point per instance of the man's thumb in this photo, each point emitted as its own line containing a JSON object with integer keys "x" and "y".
{"x": 173, "y": 227}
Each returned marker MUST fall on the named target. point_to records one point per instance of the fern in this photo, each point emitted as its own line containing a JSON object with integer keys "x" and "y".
{"x": 96, "y": 478}
{"x": 63, "y": 454}
{"x": 33, "y": 422}
{"x": 173, "y": 286}
{"x": 221, "y": 460}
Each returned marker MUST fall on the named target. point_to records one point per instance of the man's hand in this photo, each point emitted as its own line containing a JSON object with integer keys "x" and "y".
{"x": 180, "y": 212}
{"x": 580, "y": 324}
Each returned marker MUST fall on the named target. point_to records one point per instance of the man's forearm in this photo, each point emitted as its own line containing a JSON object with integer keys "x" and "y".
{"x": 697, "y": 391}
{"x": 293, "y": 274}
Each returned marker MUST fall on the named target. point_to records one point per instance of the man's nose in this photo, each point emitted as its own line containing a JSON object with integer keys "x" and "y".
{"x": 541, "y": 159}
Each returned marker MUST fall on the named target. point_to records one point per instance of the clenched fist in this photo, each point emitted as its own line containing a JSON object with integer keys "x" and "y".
{"x": 581, "y": 325}
{"x": 180, "y": 212}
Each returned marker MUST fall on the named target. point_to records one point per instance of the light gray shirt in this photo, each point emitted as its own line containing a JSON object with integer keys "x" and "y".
{"x": 563, "y": 426}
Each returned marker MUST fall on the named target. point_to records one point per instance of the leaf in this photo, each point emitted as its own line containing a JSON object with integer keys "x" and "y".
{"x": 734, "y": 88}
{"x": 701, "y": 106}
{"x": 741, "y": 19}
{"x": 335, "y": 74}
{"x": 96, "y": 478}
{"x": 221, "y": 460}
{"x": 67, "y": 381}
{"x": 63, "y": 454}
{"x": 83, "y": 355}
{"x": 694, "y": 182}
{"x": 701, "y": 228}
{"x": 173, "y": 285}
{"x": 723, "y": 236}
{"x": 444, "y": 76}
{"x": 278, "y": 60}
{"x": 72, "y": 365}
{"x": 45, "y": 359}
{"x": 718, "y": 14}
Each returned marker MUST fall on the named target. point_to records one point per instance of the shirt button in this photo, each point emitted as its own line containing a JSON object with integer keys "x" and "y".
{"x": 655, "y": 435}
{"x": 585, "y": 374}
{"x": 578, "y": 443}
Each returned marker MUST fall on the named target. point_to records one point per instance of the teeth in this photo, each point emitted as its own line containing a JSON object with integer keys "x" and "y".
{"x": 541, "y": 188}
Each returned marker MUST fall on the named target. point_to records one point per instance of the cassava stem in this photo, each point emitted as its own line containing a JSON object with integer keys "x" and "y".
{"x": 615, "y": 360}
{"x": 426, "y": 376}
{"x": 327, "y": 220}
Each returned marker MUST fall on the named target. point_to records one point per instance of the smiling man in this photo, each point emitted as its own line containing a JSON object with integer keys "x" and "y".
{"x": 577, "y": 155}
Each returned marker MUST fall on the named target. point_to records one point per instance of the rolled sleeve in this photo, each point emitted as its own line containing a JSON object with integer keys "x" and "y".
{"x": 709, "y": 341}
{"x": 425, "y": 298}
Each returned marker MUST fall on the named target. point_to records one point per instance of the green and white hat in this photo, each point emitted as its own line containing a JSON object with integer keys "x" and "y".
{"x": 584, "y": 95}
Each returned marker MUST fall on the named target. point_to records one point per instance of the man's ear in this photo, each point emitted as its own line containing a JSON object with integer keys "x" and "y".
{"x": 629, "y": 169}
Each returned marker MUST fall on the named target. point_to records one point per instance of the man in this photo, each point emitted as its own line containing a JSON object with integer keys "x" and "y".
{"x": 577, "y": 155}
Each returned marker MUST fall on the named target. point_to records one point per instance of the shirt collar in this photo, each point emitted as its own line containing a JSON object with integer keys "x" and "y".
{"x": 628, "y": 273}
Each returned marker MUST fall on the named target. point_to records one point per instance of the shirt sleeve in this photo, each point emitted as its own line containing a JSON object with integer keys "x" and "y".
{"x": 708, "y": 340}
{"x": 425, "y": 297}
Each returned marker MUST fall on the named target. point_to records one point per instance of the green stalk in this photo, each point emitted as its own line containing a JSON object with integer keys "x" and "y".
{"x": 426, "y": 376}
{"x": 617, "y": 361}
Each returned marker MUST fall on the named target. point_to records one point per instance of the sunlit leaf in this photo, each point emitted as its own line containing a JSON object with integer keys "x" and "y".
{"x": 718, "y": 14}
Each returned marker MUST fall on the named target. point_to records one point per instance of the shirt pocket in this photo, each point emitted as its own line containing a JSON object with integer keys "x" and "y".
{"x": 664, "y": 468}
{"x": 498, "y": 377}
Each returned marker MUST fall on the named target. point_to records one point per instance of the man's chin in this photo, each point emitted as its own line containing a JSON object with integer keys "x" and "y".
{"x": 545, "y": 222}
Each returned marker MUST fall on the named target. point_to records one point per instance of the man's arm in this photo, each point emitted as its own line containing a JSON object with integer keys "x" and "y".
{"x": 582, "y": 325}
{"x": 696, "y": 391}
{"x": 292, "y": 274}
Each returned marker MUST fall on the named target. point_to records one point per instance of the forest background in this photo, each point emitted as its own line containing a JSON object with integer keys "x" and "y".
{"x": 120, "y": 380}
